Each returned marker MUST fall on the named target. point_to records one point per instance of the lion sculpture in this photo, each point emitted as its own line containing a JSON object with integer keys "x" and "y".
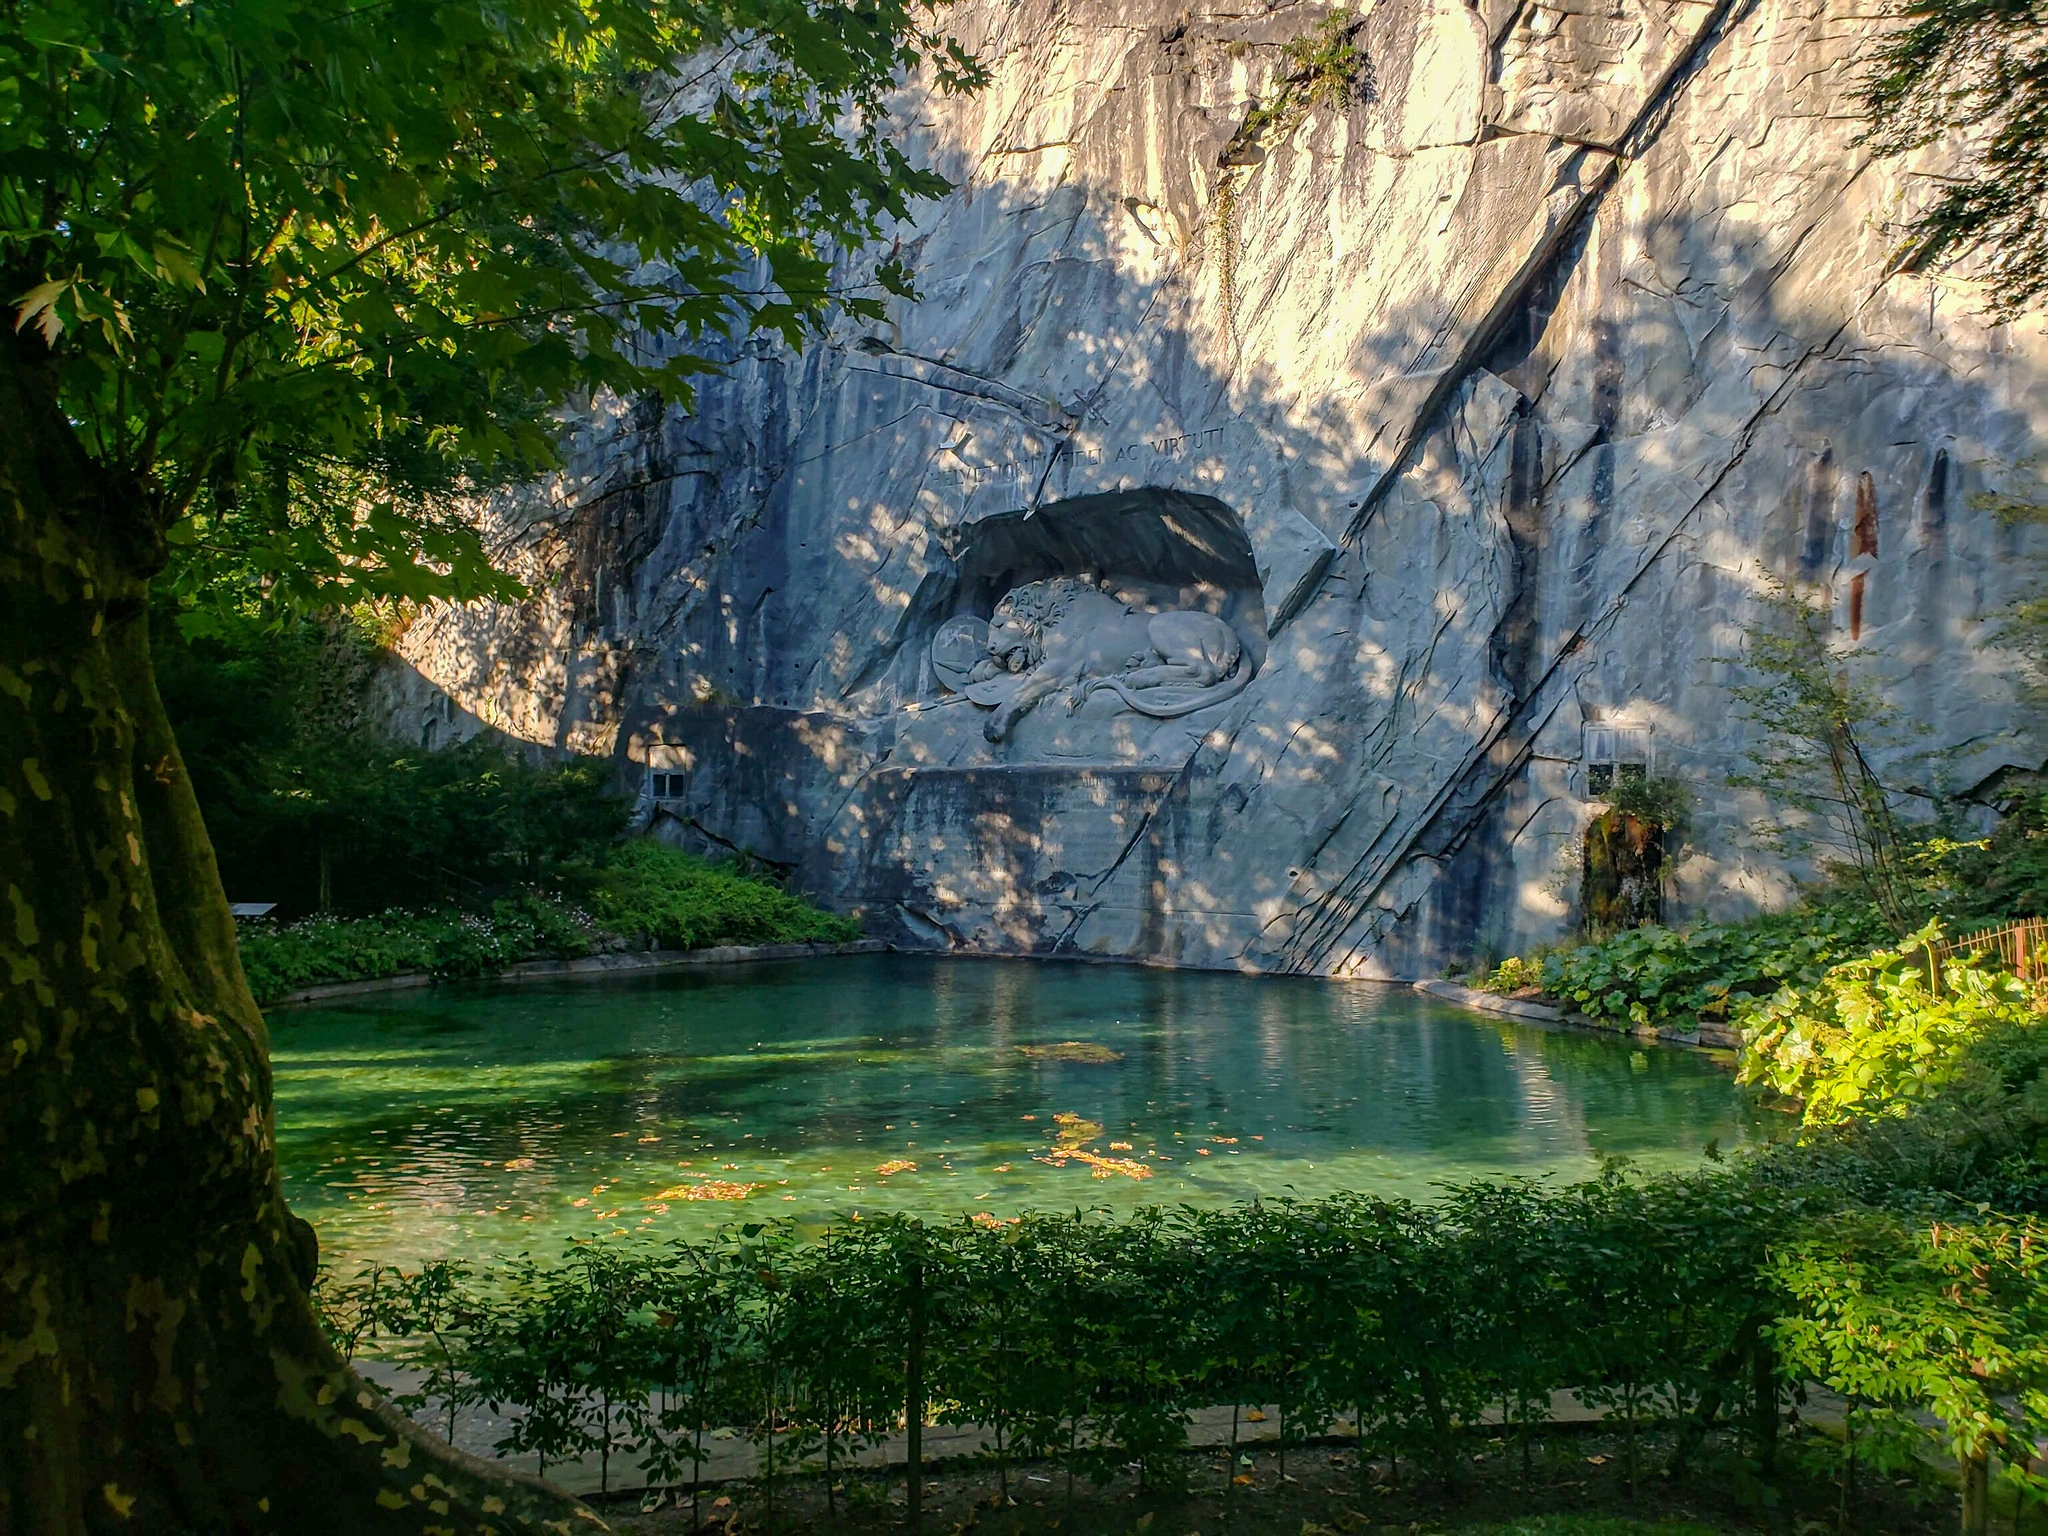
{"x": 1067, "y": 634}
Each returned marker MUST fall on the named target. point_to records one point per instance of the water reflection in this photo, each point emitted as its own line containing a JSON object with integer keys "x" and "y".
{"x": 480, "y": 1120}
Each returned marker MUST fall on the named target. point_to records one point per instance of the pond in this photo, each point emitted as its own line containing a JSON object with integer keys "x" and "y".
{"x": 479, "y": 1120}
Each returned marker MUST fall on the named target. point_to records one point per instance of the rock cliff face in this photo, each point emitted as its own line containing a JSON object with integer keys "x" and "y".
{"x": 1397, "y": 475}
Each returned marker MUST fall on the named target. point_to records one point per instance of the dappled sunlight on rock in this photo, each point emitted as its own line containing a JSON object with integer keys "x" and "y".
{"x": 1404, "y": 442}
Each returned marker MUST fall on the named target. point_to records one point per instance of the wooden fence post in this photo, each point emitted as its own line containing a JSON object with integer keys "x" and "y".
{"x": 913, "y": 1399}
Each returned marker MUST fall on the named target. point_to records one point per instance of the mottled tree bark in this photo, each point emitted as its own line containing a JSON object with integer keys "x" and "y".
{"x": 161, "y": 1368}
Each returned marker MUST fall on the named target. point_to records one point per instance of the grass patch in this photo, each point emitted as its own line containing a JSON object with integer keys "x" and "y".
{"x": 640, "y": 892}
{"x": 647, "y": 889}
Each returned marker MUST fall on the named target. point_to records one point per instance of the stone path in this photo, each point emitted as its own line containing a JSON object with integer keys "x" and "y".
{"x": 731, "y": 1456}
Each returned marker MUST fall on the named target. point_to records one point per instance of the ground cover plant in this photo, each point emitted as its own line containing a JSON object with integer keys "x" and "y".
{"x": 1664, "y": 976}
{"x": 633, "y": 895}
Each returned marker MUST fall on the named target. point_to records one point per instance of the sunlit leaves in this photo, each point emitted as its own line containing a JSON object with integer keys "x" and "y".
{"x": 294, "y": 260}
{"x": 1876, "y": 1034}
{"x": 1976, "y": 70}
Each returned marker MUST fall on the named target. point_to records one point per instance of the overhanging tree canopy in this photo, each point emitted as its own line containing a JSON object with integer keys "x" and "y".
{"x": 289, "y": 275}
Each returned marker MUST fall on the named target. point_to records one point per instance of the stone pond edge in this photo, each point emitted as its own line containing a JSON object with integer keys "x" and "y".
{"x": 615, "y": 964}
{"x": 1704, "y": 1033}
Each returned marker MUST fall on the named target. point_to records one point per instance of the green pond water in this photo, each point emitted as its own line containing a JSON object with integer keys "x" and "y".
{"x": 486, "y": 1120}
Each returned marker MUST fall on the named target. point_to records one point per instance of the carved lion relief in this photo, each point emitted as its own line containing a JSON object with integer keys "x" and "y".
{"x": 1066, "y": 635}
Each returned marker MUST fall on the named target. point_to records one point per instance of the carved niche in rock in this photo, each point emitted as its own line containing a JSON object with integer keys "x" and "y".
{"x": 1066, "y": 635}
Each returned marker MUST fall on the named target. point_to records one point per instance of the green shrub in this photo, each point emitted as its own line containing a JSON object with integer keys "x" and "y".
{"x": 648, "y": 888}
{"x": 641, "y": 890}
{"x": 1910, "y": 1318}
{"x": 2006, "y": 875}
{"x": 1089, "y": 1340}
{"x": 1512, "y": 975}
{"x": 310, "y": 806}
{"x": 444, "y": 942}
{"x": 1661, "y": 976}
{"x": 1873, "y": 1035}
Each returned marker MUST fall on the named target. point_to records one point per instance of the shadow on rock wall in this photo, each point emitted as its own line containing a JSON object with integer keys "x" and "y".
{"x": 1232, "y": 566}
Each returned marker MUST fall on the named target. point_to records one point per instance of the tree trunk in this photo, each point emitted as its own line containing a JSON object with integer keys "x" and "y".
{"x": 1977, "y": 1494}
{"x": 161, "y": 1367}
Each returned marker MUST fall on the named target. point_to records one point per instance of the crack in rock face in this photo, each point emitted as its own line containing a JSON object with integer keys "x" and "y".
{"x": 1246, "y": 564}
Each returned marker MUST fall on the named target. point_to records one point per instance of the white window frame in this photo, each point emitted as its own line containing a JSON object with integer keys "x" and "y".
{"x": 1614, "y": 750}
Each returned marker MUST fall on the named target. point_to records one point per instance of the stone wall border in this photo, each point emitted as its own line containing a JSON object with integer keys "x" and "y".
{"x": 1703, "y": 1035}
{"x": 627, "y": 963}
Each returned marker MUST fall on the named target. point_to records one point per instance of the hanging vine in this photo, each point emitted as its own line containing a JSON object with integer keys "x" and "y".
{"x": 1325, "y": 68}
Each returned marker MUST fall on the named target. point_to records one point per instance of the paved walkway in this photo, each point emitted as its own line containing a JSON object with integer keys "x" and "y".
{"x": 731, "y": 1456}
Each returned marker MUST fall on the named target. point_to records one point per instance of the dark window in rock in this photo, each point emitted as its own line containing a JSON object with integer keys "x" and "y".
{"x": 1617, "y": 754}
{"x": 666, "y": 786}
{"x": 1866, "y": 515}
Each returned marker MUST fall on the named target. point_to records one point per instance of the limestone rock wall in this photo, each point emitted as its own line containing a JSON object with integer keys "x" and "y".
{"x": 1479, "y": 411}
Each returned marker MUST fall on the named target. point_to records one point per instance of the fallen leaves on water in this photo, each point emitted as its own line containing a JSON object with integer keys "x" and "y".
{"x": 990, "y": 1219}
{"x": 896, "y": 1165}
{"x": 520, "y": 1162}
{"x": 1074, "y": 1131}
{"x": 1119, "y": 1146}
{"x": 1101, "y": 1167}
{"x": 1087, "y": 1052}
{"x": 710, "y": 1189}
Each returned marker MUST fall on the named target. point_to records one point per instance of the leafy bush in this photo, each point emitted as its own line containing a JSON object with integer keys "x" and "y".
{"x": 1513, "y": 975}
{"x": 309, "y": 806}
{"x": 444, "y": 942}
{"x": 2006, "y": 875}
{"x": 1651, "y": 976}
{"x": 641, "y": 890}
{"x": 1909, "y": 1318}
{"x": 1873, "y": 1035}
{"x": 1089, "y": 1340}
{"x": 1664, "y": 799}
{"x": 647, "y": 888}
